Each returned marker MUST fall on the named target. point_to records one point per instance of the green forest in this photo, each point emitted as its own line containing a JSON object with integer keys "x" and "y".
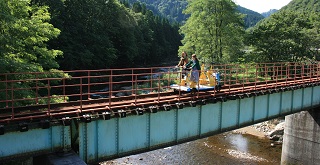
{"x": 55, "y": 36}
{"x": 40, "y": 35}
{"x": 46, "y": 35}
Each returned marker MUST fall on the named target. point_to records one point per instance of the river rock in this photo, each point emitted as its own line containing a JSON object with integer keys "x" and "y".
{"x": 277, "y": 133}
{"x": 120, "y": 94}
{"x": 128, "y": 90}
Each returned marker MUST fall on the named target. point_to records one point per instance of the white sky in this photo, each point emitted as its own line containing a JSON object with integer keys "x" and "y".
{"x": 261, "y": 6}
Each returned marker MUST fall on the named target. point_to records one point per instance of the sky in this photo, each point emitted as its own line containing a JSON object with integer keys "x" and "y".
{"x": 261, "y": 6}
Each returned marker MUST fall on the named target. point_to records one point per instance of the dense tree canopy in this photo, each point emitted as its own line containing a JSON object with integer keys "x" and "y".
{"x": 83, "y": 34}
{"x": 46, "y": 35}
{"x": 171, "y": 9}
{"x": 286, "y": 36}
{"x": 251, "y": 17}
{"x": 214, "y": 30}
{"x": 24, "y": 33}
{"x": 99, "y": 34}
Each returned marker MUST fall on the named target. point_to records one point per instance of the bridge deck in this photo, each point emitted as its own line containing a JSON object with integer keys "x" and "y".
{"x": 53, "y": 95}
{"x": 130, "y": 103}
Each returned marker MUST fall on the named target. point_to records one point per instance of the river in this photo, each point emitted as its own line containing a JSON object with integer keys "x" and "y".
{"x": 244, "y": 146}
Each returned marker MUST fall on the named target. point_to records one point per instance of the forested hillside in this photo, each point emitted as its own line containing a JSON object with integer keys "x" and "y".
{"x": 267, "y": 14}
{"x": 102, "y": 34}
{"x": 251, "y": 17}
{"x": 291, "y": 34}
{"x": 53, "y": 35}
{"x": 173, "y": 10}
{"x": 39, "y": 35}
{"x": 309, "y": 6}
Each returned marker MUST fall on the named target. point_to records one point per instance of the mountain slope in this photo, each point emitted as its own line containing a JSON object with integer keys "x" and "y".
{"x": 251, "y": 17}
{"x": 172, "y": 10}
{"x": 299, "y": 6}
{"x": 303, "y": 5}
{"x": 291, "y": 34}
{"x": 268, "y": 13}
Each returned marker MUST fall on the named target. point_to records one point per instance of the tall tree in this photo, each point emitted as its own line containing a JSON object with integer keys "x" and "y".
{"x": 24, "y": 33}
{"x": 214, "y": 30}
{"x": 314, "y": 35}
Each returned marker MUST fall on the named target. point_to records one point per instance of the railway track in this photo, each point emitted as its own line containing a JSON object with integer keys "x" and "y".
{"x": 107, "y": 108}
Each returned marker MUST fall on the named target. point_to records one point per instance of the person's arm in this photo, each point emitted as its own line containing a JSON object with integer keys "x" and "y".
{"x": 180, "y": 62}
{"x": 186, "y": 60}
{"x": 189, "y": 64}
{"x": 196, "y": 64}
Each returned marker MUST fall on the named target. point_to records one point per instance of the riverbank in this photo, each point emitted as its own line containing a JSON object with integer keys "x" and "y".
{"x": 264, "y": 129}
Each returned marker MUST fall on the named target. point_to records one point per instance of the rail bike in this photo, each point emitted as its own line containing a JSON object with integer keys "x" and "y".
{"x": 208, "y": 80}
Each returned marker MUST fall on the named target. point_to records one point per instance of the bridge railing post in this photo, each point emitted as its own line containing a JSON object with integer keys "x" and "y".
{"x": 275, "y": 73}
{"x": 7, "y": 102}
{"x": 136, "y": 86}
{"x": 256, "y": 77}
{"x": 288, "y": 70}
{"x": 64, "y": 88}
{"x": 37, "y": 101}
{"x": 151, "y": 79}
{"x": 246, "y": 73}
{"x": 159, "y": 84}
{"x": 12, "y": 102}
{"x": 237, "y": 71}
{"x": 49, "y": 96}
{"x": 81, "y": 94}
{"x": 89, "y": 84}
{"x": 132, "y": 82}
{"x": 265, "y": 74}
{"x": 295, "y": 72}
{"x": 302, "y": 73}
{"x": 110, "y": 87}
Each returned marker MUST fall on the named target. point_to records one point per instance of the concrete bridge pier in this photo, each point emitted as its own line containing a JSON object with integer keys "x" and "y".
{"x": 301, "y": 141}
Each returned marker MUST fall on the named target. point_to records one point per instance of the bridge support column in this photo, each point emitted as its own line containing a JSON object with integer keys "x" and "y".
{"x": 301, "y": 141}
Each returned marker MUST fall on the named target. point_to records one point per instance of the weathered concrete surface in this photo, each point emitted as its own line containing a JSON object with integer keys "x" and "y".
{"x": 301, "y": 143}
{"x": 67, "y": 158}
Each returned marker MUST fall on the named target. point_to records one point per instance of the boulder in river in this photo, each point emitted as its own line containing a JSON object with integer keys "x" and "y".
{"x": 277, "y": 133}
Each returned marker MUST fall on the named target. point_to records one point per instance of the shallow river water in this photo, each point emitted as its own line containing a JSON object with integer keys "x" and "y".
{"x": 224, "y": 149}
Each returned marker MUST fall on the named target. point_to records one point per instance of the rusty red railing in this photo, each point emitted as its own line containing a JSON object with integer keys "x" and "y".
{"x": 44, "y": 92}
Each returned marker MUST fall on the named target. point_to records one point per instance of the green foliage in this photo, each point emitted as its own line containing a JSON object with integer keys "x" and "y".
{"x": 292, "y": 34}
{"x": 19, "y": 86}
{"x": 251, "y": 18}
{"x": 24, "y": 33}
{"x": 213, "y": 31}
{"x": 99, "y": 34}
{"x": 268, "y": 13}
{"x": 285, "y": 36}
{"x": 303, "y": 6}
{"x": 173, "y": 10}
{"x": 170, "y": 9}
